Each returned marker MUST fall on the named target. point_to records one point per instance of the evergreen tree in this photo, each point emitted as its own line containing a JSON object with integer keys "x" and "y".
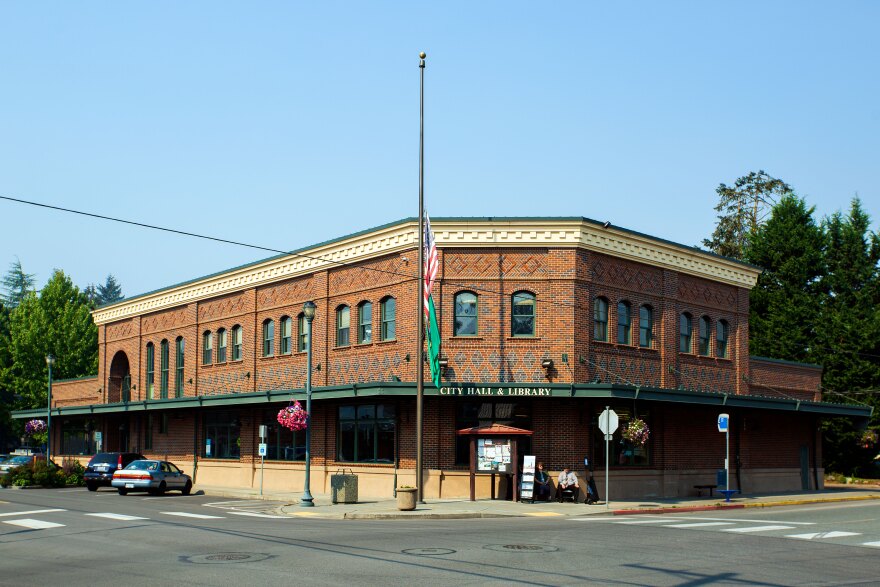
{"x": 785, "y": 301}
{"x": 109, "y": 292}
{"x": 90, "y": 293}
{"x": 742, "y": 210}
{"x": 57, "y": 322}
{"x": 16, "y": 284}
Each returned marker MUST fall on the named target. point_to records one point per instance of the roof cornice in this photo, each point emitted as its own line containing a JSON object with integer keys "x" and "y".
{"x": 449, "y": 233}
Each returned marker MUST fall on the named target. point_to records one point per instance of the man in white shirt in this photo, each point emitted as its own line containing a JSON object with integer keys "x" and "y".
{"x": 567, "y": 480}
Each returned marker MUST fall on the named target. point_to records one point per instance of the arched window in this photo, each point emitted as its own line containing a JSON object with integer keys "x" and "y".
{"x": 221, "y": 345}
{"x": 151, "y": 370}
{"x": 178, "y": 365}
{"x": 268, "y": 338}
{"x": 343, "y": 325}
{"x": 523, "y": 314}
{"x": 465, "y": 314}
{"x": 365, "y": 322}
{"x": 600, "y": 319}
{"x": 389, "y": 318}
{"x": 236, "y": 342}
{"x": 705, "y": 331}
{"x": 286, "y": 328}
{"x": 646, "y": 326}
{"x": 301, "y": 335}
{"x": 684, "y": 333}
{"x": 721, "y": 335}
{"x": 207, "y": 348}
{"x": 624, "y": 323}
{"x": 163, "y": 366}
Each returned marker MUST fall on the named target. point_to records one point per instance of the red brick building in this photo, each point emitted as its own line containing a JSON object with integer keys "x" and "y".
{"x": 544, "y": 322}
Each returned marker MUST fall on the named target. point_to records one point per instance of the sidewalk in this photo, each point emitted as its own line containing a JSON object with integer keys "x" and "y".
{"x": 379, "y": 509}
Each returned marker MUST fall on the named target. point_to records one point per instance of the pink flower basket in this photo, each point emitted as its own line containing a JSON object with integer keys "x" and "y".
{"x": 294, "y": 417}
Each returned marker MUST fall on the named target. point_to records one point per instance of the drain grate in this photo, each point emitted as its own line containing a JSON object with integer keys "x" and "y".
{"x": 226, "y": 558}
{"x": 521, "y": 548}
{"x": 428, "y": 551}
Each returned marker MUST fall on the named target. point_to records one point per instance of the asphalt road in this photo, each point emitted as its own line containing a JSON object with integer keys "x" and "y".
{"x": 72, "y": 537}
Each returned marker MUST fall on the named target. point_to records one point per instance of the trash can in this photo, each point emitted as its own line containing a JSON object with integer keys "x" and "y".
{"x": 344, "y": 487}
{"x": 721, "y": 479}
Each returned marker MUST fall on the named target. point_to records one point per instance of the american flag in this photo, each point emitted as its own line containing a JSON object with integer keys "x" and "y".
{"x": 431, "y": 262}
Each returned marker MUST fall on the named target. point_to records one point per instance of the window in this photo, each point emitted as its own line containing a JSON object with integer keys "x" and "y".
{"x": 721, "y": 335}
{"x": 77, "y": 438}
{"x": 148, "y": 432}
{"x": 286, "y": 327}
{"x": 523, "y": 315}
{"x": 221, "y": 345}
{"x": 465, "y": 314}
{"x": 268, "y": 338}
{"x": 151, "y": 370}
{"x": 365, "y": 322}
{"x": 600, "y": 320}
{"x": 622, "y": 453}
{"x": 366, "y": 433}
{"x": 178, "y": 376}
{"x": 684, "y": 333}
{"x": 283, "y": 444}
{"x": 389, "y": 319}
{"x": 705, "y": 331}
{"x": 479, "y": 413}
{"x": 207, "y": 348}
{"x": 646, "y": 326}
{"x": 624, "y": 323}
{"x": 222, "y": 436}
{"x": 236, "y": 343}
{"x": 343, "y": 324}
{"x": 302, "y": 333}
{"x": 163, "y": 365}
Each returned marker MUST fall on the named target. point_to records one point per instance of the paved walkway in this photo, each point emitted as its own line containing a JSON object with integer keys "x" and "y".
{"x": 458, "y": 508}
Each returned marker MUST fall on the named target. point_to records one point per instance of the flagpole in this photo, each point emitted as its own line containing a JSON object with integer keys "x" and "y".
{"x": 420, "y": 362}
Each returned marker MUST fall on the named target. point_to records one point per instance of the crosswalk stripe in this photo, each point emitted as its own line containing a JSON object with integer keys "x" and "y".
{"x": 875, "y": 544}
{"x": 123, "y": 517}
{"x": 592, "y": 519}
{"x": 831, "y": 534}
{"x": 29, "y": 512}
{"x": 757, "y": 529}
{"x": 698, "y": 524}
{"x": 651, "y": 521}
{"x": 189, "y": 515}
{"x": 252, "y": 514}
{"x": 33, "y": 524}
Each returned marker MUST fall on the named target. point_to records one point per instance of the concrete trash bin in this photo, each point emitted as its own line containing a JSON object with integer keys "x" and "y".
{"x": 344, "y": 487}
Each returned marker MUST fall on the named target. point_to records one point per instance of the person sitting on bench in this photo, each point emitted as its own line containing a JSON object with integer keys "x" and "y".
{"x": 542, "y": 484}
{"x": 567, "y": 481}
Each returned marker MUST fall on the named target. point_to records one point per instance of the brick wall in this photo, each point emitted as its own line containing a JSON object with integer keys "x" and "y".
{"x": 76, "y": 392}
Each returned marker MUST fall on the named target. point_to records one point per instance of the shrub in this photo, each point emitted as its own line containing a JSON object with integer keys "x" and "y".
{"x": 73, "y": 472}
{"x": 48, "y": 474}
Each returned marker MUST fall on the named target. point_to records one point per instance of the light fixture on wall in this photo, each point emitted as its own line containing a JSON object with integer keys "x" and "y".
{"x": 444, "y": 364}
{"x": 547, "y": 364}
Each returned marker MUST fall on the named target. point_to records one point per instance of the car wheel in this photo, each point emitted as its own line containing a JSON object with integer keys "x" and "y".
{"x": 187, "y": 488}
{"x": 162, "y": 488}
{"x": 122, "y": 491}
{"x": 91, "y": 487}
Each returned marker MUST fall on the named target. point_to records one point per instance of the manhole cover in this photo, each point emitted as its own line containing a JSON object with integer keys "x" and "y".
{"x": 427, "y": 551}
{"x": 522, "y": 548}
{"x": 225, "y": 557}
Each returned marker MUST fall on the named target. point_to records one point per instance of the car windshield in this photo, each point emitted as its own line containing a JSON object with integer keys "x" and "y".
{"x": 144, "y": 466}
{"x": 19, "y": 460}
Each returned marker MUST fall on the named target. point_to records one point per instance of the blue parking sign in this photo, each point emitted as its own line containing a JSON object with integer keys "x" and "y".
{"x": 723, "y": 420}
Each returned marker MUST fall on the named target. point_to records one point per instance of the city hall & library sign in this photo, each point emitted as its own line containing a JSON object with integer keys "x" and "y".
{"x": 496, "y": 391}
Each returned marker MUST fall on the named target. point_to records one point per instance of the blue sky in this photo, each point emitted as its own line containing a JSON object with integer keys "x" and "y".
{"x": 286, "y": 124}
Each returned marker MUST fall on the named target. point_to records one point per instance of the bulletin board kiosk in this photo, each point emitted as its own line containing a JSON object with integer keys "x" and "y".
{"x": 493, "y": 451}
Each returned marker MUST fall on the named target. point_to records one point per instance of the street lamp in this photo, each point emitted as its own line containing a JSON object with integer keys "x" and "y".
{"x": 50, "y": 361}
{"x": 309, "y": 308}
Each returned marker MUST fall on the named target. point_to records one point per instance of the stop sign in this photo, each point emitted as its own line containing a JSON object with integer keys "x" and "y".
{"x": 608, "y": 421}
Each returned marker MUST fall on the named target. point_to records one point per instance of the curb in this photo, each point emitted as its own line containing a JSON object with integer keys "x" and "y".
{"x": 675, "y": 510}
{"x": 735, "y": 506}
{"x": 808, "y": 501}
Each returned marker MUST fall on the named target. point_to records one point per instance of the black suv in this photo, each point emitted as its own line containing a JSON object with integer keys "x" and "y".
{"x": 102, "y": 466}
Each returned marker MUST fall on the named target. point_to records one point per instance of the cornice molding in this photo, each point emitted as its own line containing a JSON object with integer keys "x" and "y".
{"x": 463, "y": 233}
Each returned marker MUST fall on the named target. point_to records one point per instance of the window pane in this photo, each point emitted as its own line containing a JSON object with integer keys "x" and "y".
{"x": 302, "y": 336}
{"x": 721, "y": 339}
{"x": 600, "y": 320}
{"x": 207, "y": 344}
{"x": 385, "y": 442}
{"x": 367, "y": 412}
{"x": 705, "y": 328}
{"x": 343, "y": 322}
{"x": 268, "y": 338}
{"x": 465, "y": 314}
{"x": 178, "y": 387}
{"x": 236, "y": 343}
{"x": 286, "y": 325}
{"x": 389, "y": 319}
{"x": 523, "y": 315}
{"x": 163, "y": 381}
{"x": 151, "y": 370}
{"x": 366, "y": 441}
{"x": 346, "y": 441}
{"x": 646, "y": 326}
{"x": 365, "y": 323}
{"x": 684, "y": 326}
{"x": 623, "y": 323}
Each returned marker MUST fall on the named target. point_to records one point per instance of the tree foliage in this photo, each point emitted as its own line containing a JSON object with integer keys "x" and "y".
{"x": 57, "y": 322}
{"x": 16, "y": 284}
{"x": 742, "y": 209}
{"x": 110, "y": 292}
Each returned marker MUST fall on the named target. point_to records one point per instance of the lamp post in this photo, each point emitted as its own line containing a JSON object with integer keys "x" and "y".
{"x": 50, "y": 361}
{"x": 309, "y": 308}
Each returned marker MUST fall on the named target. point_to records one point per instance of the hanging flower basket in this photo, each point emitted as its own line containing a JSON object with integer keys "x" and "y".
{"x": 294, "y": 417}
{"x": 637, "y": 432}
{"x": 33, "y": 427}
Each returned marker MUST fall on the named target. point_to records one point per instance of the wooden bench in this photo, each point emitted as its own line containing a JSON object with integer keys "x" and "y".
{"x": 700, "y": 489}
